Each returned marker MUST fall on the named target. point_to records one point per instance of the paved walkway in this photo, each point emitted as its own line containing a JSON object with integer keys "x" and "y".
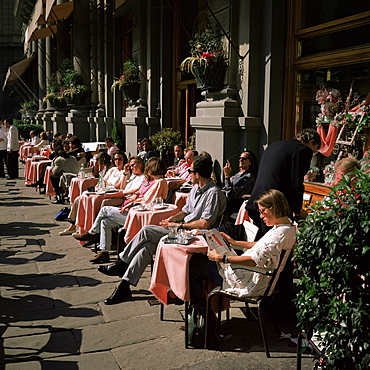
{"x": 53, "y": 315}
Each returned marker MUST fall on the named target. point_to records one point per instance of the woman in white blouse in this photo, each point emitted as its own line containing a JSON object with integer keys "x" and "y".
{"x": 265, "y": 253}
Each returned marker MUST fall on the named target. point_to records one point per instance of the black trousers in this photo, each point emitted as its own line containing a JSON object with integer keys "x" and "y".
{"x": 12, "y": 164}
{"x": 3, "y": 155}
{"x": 55, "y": 181}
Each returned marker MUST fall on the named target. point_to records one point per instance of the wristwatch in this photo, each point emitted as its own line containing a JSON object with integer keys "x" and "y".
{"x": 225, "y": 259}
{"x": 181, "y": 225}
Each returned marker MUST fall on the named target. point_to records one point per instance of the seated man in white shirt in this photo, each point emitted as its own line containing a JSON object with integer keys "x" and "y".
{"x": 203, "y": 210}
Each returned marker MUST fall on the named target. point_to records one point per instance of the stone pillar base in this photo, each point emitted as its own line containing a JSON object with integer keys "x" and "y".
{"x": 59, "y": 121}
{"x": 78, "y": 123}
{"x": 136, "y": 127}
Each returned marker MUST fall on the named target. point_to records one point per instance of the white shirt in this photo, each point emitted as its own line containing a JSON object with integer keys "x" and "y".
{"x": 13, "y": 142}
{"x": 114, "y": 176}
{"x": 35, "y": 140}
{"x": 266, "y": 254}
{"x": 134, "y": 182}
{"x": 3, "y": 136}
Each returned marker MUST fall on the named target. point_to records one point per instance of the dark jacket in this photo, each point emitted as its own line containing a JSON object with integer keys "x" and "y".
{"x": 283, "y": 166}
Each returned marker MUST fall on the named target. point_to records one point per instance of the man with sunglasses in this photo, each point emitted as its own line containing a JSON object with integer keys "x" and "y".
{"x": 203, "y": 210}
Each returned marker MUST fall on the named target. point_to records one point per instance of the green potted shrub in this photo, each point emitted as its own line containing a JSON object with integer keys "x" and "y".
{"x": 165, "y": 140}
{"x": 54, "y": 91}
{"x": 129, "y": 81}
{"x": 333, "y": 258}
{"x": 208, "y": 61}
{"x": 73, "y": 90}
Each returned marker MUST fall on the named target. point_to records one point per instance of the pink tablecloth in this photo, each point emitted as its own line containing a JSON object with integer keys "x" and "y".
{"x": 179, "y": 199}
{"x": 136, "y": 220}
{"x": 27, "y": 150}
{"x": 31, "y": 167}
{"x": 88, "y": 208}
{"x": 36, "y": 169}
{"x": 49, "y": 189}
{"x": 171, "y": 268}
{"x": 78, "y": 186}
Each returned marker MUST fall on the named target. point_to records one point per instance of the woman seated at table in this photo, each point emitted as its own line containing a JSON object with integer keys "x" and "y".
{"x": 76, "y": 150}
{"x": 110, "y": 217}
{"x": 128, "y": 176}
{"x": 265, "y": 253}
{"x": 61, "y": 164}
{"x": 44, "y": 140}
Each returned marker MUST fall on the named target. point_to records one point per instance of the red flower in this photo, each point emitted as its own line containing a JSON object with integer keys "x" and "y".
{"x": 208, "y": 56}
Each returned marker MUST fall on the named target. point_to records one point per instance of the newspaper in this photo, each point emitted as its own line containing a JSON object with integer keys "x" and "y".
{"x": 251, "y": 231}
{"x": 216, "y": 241}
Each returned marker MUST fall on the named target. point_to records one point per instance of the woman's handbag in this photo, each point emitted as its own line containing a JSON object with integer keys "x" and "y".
{"x": 62, "y": 214}
{"x": 197, "y": 328}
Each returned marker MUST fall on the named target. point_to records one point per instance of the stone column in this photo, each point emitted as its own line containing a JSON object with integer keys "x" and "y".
{"x": 77, "y": 118}
{"x": 47, "y": 55}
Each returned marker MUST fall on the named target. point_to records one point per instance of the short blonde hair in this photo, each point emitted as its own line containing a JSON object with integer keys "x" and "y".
{"x": 276, "y": 201}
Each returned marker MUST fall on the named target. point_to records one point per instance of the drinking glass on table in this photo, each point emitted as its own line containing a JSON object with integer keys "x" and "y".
{"x": 158, "y": 201}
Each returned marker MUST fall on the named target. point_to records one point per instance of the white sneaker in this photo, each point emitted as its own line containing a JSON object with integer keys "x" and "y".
{"x": 66, "y": 232}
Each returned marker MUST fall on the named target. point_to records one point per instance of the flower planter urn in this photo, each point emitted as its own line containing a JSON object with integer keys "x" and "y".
{"x": 131, "y": 91}
{"x": 210, "y": 78}
{"x": 58, "y": 103}
{"x": 78, "y": 99}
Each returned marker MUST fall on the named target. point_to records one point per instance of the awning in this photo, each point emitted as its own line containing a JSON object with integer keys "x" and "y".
{"x": 43, "y": 32}
{"x": 57, "y": 12}
{"x": 17, "y": 70}
{"x": 39, "y": 11}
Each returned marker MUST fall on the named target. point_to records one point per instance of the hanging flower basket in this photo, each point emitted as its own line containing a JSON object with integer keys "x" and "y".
{"x": 131, "y": 90}
{"x": 210, "y": 78}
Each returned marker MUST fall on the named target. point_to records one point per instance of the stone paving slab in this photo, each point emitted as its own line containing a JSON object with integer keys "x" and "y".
{"x": 45, "y": 321}
{"x": 41, "y": 346}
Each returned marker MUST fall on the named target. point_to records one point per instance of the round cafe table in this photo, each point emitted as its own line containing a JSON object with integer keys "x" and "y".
{"x": 136, "y": 219}
{"x": 78, "y": 186}
{"x": 49, "y": 189}
{"x": 171, "y": 268}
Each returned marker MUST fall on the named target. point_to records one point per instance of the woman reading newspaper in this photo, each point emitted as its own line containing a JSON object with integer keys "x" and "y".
{"x": 265, "y": 253}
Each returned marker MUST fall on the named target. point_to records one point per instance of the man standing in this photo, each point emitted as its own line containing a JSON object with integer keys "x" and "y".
{"x": 203, "y": 210}
{"x": 3, "y": 152}
{"x": 12, "y": 149}
{"x": 283, "y": 166}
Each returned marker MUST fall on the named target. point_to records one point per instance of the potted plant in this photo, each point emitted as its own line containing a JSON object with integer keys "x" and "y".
{"x": 76, "y": 94}
{"x": 333, "y": 259}
{"x": 208, "y": 61}
{"x": 28, "y": 106}
{"x": 73, "y": 89}
{"x": 164, "y": 141}
{"x": 129, "y": 82}
{"x": 54, "y": 91}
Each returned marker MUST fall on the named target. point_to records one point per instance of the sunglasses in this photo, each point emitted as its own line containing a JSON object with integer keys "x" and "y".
{"x": 118, "y": 159}
{"x": 243, "y": 158}
{"x": 191, "y": 171}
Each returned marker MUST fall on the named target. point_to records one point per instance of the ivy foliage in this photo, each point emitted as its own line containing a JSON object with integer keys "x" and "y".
{"x": 333, "y": 258}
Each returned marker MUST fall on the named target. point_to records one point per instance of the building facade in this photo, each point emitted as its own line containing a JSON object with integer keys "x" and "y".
{"x": 279, "y": 53}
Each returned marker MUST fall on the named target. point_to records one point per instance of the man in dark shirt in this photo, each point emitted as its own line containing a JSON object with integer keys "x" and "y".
{"x": 283, "y": 166}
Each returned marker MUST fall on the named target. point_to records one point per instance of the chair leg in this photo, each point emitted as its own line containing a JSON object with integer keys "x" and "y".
{"x": 186, "y": 324}
{"x": 161, "y": 313}
{"x": 264, "y": 338}
{"x": 299, "y": 348}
